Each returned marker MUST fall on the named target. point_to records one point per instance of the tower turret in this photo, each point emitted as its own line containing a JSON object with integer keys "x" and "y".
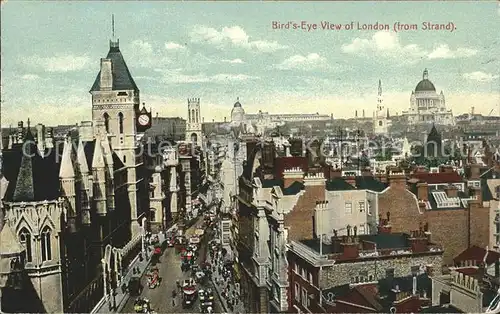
{"x": 86, "y": 190}
{"x": 67, "y": 179}
{"x": 99, "y": 176}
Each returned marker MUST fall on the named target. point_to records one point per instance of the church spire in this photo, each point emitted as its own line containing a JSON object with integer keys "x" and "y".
{"x": 379, "y": 88}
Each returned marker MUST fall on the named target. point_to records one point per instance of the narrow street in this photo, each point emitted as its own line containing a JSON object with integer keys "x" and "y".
{"x": 170, "y": 270}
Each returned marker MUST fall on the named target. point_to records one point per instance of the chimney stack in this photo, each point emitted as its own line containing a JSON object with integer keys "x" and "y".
{"x": 292, "y": 175}
{"x": 418, "y": 241}
{"x": 475, "y": 172}
{"x": 350, "y": 245}
{"x": 477, "y": 193}
{"x": 335, "y": 173}
{"x": 366, "y": 172}
{"x": 451, "y": 191}
{"x": 396, "y": 178}
{"x": 423, "y": 191}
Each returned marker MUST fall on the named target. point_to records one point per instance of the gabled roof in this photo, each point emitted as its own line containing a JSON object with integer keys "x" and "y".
{"x": 122, "y": 79}
{"x": 370, "y": 183}
{"x": 476, "y": 253}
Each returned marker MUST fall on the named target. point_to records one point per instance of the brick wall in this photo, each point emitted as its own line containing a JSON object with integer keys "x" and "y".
{"x": 479, "y": 224}
{"x": 404, "y": 213}
{"x": 300, "y": 219}
{"x": 449, "y": 229}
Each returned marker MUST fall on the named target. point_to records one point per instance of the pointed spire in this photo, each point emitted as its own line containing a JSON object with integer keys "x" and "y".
{"x": 66, "y": 171}
{"x": 113, "y": 26}
{"x": 379, "y": 87}
{"x": 81, "y": 158}
{"x": 388, "y": 116}
{"x": 98, "y": 160}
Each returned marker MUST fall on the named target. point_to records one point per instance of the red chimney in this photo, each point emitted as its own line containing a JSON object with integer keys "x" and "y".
{"x": 350, "y": 247}
{"x": 397, "y": 178}
{"x": 451, "y": 191}
{"x": 418, "y": 241}
{"x": 475, "y": 172}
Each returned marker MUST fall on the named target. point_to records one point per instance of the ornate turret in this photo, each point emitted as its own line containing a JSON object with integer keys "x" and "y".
{"x": 67, "y": 179}
{"x": 99, "y": 175}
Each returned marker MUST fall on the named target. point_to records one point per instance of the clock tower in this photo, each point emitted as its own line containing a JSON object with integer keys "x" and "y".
{"x": 115, "y": 107}
{"x": 193, "y": 127}
{"x": 143, "y": 119}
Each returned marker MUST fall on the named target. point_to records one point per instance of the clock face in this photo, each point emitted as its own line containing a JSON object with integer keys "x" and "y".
{"x": 143, "y": 119}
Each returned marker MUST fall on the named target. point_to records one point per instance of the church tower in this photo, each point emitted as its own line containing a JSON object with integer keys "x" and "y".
{"x": 381, "y": 122}
{"x": 115, "y": 103}
{"x": 193, "y": 128}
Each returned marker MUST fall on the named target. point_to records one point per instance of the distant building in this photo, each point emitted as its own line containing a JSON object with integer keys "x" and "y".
{"x": 427, "y": 106}
{"x": 381, "y": 121}
{"x": 168, "y": 128}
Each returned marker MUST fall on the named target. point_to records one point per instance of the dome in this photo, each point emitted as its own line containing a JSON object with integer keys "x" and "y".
{"x": 237, "y": 105}
{"x": 425, "y": 85}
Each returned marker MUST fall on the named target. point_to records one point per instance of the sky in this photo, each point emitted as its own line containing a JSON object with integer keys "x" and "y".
{"x": 218, "y": 51}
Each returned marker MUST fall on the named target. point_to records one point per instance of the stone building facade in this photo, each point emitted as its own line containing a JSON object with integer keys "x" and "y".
{"x": 74, "y": 205}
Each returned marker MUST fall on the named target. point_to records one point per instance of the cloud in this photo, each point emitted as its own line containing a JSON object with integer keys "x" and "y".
{"x": 387, "y": 44}
{"x": 309, "y": 62}
{"x": 444, "y": 52}
{"x": 235, "y": 36}
{"x": 233, "y": 61}
{"x": 144, "y": 55}
{"x": 66, "y": 63}
{"x": 30, "y": 77}
{"x": 480, "y": 76}
{"x": 176, "y": 77}
{"x": 173, "y": 46}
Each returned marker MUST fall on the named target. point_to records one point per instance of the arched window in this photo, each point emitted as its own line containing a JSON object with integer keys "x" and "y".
{"x": 380, "y": 123}
{"x": 189, "y": 115}
{"x": 46, "y": 247}
{"x": 25, "y": 239}
{"x": 106, "y": 121}
{"x": 120, "y": 121}
{"x": 197, "y": 117}
{"x": 192, "y": 116}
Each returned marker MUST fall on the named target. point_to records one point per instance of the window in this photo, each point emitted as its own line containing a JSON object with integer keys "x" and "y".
{"x": 46, "y": 245}
{"x": 297, "y": 268}
{"x": 106, "y": 121}
{"x": 361, "y": 207}
{"x": 120, "y": 121}
{"x": 369, "y": 208}
{"x": 124, "y": 159}
{"x": 361, "y": 229}
{"x": 25, "y": 239}
{"x": 305, "y": 299}
{"x": 192, "y": 116}
{"x": 389, "y": 273}
{"x": 303, "y": 273}
{"x": 380, "y": 123}
{"x": 297, "y": 292}
{"x": 310, "y": 278}
{"x": 348, "y": 207}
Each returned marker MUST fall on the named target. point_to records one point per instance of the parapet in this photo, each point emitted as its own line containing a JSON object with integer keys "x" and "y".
{"x": 465, "y": 281}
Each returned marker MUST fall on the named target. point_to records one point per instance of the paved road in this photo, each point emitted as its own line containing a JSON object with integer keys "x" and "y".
{"x": 170, "y": 270}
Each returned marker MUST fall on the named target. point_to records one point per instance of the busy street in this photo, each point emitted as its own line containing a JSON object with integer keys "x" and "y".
{"x": 178, "y": 280}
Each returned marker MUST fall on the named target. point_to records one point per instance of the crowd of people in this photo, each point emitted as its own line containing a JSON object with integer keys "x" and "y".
{"x": 223, "y": 277}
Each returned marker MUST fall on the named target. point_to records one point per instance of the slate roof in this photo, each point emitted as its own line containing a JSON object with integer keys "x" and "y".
{"x": 441, "y": 309}
{"x": 122, "y": 79}
{"x": 272, "y": 182}
{"x": 370, "y": 183}
{"x": 338, "y": 184}
{"x": 405, "y": 284}
{"x": 32, "y": 178}
{"x": 294, "y": 188}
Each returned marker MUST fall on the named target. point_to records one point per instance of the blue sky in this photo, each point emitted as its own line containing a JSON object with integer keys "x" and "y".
{"x": 222, "y": 50}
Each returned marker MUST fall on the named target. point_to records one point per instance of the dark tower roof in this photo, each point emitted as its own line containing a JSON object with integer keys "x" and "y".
{"x": 122, "y": 79}
{"x": 425, "y": 85}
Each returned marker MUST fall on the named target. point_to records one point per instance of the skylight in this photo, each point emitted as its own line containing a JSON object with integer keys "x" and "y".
{"x": 443, "y": 201}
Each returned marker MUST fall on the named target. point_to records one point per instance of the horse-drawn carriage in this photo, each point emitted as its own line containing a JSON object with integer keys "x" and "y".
{"x": 154, "y": 278}
{"x": 188, "y": 293}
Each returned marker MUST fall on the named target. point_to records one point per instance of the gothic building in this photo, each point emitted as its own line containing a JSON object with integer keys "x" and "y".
{"x": 71, "y": 210}
{"x": 427, "y": 106}
{"x": 194, "y": 122}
